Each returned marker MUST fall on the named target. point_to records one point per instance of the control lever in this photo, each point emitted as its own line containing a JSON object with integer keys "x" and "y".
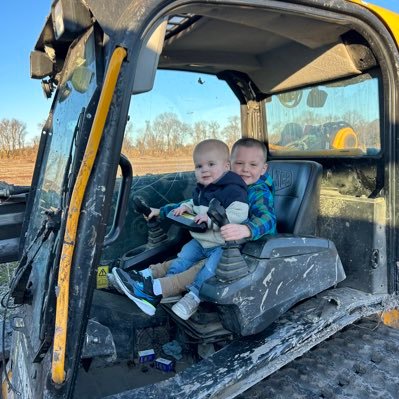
{"x": 140, "y": 206}
{"x": 187, "y": 221}
{"x": 155, "y": 233}
{"x": 231, "y": 265}
{"x": 217, "y": 213}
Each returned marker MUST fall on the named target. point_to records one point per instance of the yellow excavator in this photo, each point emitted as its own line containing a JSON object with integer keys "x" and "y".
{"x": 297, "y": 314}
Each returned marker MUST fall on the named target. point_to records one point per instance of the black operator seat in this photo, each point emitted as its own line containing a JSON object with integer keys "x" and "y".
{"x": 282, "y": 269}
{"x": 297, "y": 195}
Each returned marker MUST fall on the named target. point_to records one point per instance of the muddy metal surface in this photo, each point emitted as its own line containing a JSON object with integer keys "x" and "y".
{"x": 361, "y": 361}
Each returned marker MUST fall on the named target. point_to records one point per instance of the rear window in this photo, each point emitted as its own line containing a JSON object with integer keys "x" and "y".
{"x": 337, "y": 119}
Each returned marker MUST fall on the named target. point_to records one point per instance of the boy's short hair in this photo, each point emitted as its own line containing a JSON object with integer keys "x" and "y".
{"x": 249, "y": 142}
{"x": 213, "y": 144}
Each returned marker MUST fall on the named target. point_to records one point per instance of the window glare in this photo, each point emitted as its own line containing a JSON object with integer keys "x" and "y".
{"x": 342, "y": 118}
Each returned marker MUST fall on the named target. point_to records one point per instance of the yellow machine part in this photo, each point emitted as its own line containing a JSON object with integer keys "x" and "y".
{"x": 345, "y": 138}
{"x": 61, "y": 317}
{"x": 391, "y": 318}
{"x": 6, "y": 393}
{"x": 390, "y": 18}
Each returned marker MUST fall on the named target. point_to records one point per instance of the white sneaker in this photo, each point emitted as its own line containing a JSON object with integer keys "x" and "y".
{"x": 187, "y": 306}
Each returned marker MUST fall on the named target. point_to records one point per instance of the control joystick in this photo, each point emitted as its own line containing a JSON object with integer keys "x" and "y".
{"x": 155, "y": 233}
{"x": 232, "y": 265}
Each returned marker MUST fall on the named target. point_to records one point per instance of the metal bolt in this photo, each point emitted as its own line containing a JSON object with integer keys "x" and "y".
{"x": 19, "y": 322}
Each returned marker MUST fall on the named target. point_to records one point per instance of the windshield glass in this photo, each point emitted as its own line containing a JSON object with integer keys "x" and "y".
{"x": 75, "y": 90}
{"x": 182, "y": 109}
{"x": 165, "y": 124}
{"x": 339, "y": 118}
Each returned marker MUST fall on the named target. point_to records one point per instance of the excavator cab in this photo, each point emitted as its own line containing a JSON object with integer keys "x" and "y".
{"x": 134, "y": 86}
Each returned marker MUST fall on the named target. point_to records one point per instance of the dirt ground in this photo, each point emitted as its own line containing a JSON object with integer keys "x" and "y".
{"x": 17, "y": 171}
{"x": 20, "y": 171}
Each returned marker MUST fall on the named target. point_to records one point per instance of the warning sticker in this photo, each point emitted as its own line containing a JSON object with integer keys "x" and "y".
{"x": 102, "y": 279}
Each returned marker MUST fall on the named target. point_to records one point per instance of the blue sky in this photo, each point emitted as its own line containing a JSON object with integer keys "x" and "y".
{"x": 22, "y": 97}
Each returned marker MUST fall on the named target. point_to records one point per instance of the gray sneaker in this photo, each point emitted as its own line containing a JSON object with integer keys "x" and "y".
{"x": 186, "y": 307}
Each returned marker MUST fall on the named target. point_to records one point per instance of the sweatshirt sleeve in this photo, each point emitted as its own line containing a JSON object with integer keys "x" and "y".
{"x": 262, "y": 217}
{"x": 237, "y": 212}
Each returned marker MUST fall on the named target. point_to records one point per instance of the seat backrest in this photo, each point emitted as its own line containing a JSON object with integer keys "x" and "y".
{"x": 297, "y": 187}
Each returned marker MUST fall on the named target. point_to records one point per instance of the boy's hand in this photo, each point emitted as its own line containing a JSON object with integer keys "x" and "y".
{"x": 201, "y": 218}
{"x": 180, "y": 210}
{"x": 154, "y": 213}
{"x": 234, "y": 232}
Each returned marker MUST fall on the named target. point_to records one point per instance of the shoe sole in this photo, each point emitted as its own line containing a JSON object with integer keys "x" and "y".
{"x": 145, "y": 306}
{"x": 171, "y": 299}
{"x": 113, "y": 285}
{"x": 183, "y": 316}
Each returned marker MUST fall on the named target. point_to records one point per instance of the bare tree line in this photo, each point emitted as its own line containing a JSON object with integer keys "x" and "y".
{"x": 167, "y": 134}
{"x": 12, "y": 136}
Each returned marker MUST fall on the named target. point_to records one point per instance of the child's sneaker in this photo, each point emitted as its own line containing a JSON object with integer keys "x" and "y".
{"x": 140, "y": 292}
{"x": 112, "y": 283}
{"x": 187, "y": 306}
{"x": 171, "y": 299}
{"x": 134, "y": 274}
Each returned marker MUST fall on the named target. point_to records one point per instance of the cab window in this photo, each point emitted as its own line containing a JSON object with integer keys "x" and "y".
{"x": 341, "y": 118}
{"x": 164, "y": 126}
{"x": 183, "y": 109}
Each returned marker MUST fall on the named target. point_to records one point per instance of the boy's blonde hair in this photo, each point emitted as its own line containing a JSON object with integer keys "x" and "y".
{"x": 249, "y": 142}
{"x": 213, "y": 144}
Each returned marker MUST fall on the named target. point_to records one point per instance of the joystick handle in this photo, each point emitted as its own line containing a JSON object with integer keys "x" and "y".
{"x": 141, "y": 206}
{"x": 217, "y": 213}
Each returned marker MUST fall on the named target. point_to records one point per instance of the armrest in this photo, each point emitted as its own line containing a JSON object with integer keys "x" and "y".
{"x": 284, "y": 245}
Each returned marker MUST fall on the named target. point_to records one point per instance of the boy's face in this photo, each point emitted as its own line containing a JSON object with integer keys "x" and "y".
{"x": 209, "y": 166}
{"x": 249, "y": 163}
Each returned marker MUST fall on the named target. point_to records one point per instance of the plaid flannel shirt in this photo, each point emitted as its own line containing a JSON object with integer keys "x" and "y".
{"x": 262, "y": 218}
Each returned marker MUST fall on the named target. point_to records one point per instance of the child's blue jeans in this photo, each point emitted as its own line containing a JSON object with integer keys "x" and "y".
{"x": 192, "y": 253}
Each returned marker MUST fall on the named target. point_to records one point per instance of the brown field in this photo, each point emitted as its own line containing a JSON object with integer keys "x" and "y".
{"x": 19, "y": 171}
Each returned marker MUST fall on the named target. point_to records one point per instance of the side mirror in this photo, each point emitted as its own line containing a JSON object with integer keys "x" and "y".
{"x": 290, "y": 99}
{"x": 40, "y": 65}
{"x": 316, "y": 98}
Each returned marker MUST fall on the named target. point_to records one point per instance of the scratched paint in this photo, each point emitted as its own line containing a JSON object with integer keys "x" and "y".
{"x": 268, "y": 277}
{"x": 225, "y": 291}
{"x": 336, "y": 267}
{"x": 307, "y": 271}
{"x": 262, "y": 308}
{"x": 278, "y": 287}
